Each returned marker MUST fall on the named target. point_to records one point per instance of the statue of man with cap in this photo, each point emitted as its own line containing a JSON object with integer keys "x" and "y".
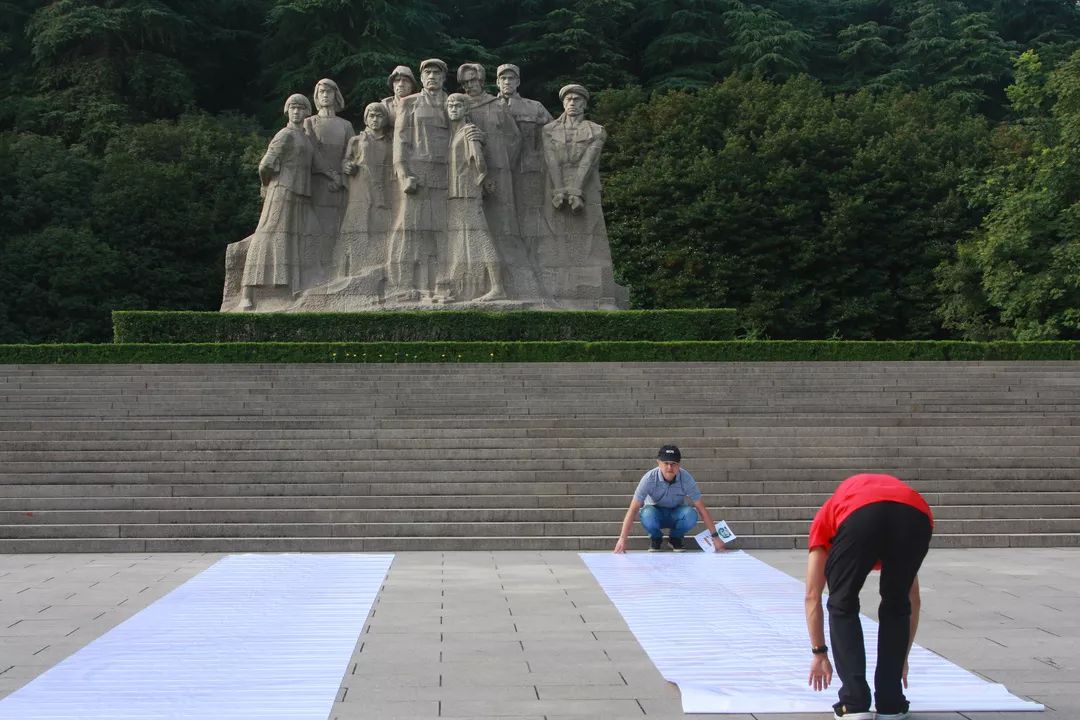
{"x": 421, "y": 163}
{"x": 502, "y": 145}
{"x": 531, "y": 117}
{"x": 661, "y": 502}
{"x": 575, "y": 255}
{"x": 403, "y": 83}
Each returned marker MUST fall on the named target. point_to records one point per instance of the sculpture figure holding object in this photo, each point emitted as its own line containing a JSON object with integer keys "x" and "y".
{"x": 330, "y": 134}
{"x": 474, "y": 270}
{"x": 502, "y": 142}
{"x": 286, "y": 223}
{"x": 421, "y": 148}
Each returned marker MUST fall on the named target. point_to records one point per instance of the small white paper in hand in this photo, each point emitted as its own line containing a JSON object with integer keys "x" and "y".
{"x": 704, "y": 538}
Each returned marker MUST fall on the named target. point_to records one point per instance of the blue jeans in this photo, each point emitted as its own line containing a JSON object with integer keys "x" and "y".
{"x": 679, "y": 519}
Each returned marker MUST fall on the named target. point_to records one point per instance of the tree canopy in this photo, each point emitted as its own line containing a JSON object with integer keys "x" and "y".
{"x": 841, "y": 168}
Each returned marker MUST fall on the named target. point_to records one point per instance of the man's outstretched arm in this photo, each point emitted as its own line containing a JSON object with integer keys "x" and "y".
{"x": 627, "y": 524}
{"x": 820, "y": 668}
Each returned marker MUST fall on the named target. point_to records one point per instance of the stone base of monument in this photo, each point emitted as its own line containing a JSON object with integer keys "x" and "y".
{"x": 565, "y": 288}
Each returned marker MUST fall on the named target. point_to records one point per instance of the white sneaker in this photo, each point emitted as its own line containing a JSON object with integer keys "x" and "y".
{"x": 854, "y": 716}
{"x": 894, "y": 716}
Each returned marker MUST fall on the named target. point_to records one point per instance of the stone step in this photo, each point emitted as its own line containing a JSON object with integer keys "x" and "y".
{"x": 394, "y": 544}
{"x": 465, "y": 514}
{"x": 538, "y": 455}
{"x": 519, "y": 450}
{"x": 555, "y": 426}
{"x": 363, "y": 469}
{"x": 488, "y": 528}
{"x": 717, "y": 445}
{"x": 880, "y": 407}
{"x": 1062, "y": 502}
{"x": 494, "y": 388}
{"x": 503, "y": 436}
{"x": 479, "y": 489}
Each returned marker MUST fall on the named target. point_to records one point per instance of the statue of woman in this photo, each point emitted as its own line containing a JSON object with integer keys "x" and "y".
{"x": 330, "y": 134}
{"x": 474, "y": 270}
{"x": 368, "y": 169}
{"x": 287, "y": 222}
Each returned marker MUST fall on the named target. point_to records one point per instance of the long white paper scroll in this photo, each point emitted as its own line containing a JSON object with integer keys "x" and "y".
{"x": 730, "y": 631}
{"x": 253, "y": 636}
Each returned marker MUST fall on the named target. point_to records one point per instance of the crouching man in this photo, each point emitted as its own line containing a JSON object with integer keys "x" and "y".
{"x": 660, "y": 501}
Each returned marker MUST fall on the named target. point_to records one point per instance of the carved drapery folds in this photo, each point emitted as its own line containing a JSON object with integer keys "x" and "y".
{"x": 466, "y": 200}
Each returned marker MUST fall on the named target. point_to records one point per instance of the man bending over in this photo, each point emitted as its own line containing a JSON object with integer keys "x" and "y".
{"x": 871, "y": 521}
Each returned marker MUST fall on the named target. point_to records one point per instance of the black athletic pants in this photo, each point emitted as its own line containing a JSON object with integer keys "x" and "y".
{"x": 898, "y": 535}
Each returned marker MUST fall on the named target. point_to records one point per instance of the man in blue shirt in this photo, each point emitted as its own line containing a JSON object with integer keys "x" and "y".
{"x": 660, "y": 499}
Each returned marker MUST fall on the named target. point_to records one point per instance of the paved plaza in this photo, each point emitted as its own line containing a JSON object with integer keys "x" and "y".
{"x": 532, "y": 635}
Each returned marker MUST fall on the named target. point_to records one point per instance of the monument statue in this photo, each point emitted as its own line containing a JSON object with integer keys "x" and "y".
{"x": 529, "y": 189}
{"x": 502, "y": 141}
{"x": 474, "y": 270}
{"x": 403, "y": 83}
{"x": 369, "y": 170}
{"x": 330, "y": 134}
{"x": 475, "y": 200}
{"x": 421, "y": 149}
{"x": 575, "y": 255}
{"x": 269, "y": 260}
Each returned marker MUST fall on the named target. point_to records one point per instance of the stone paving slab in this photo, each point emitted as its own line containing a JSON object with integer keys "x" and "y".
{"x": 531, "y": 635}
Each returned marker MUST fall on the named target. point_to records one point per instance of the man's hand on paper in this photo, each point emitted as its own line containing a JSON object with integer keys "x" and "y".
{"x": 820, "y": 672}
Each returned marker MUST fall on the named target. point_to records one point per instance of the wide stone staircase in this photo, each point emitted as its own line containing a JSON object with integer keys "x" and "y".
{"x": 518, "y": 456}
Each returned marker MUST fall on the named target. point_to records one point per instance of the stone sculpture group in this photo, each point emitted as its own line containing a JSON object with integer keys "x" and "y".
{"x": 462, "y": 200}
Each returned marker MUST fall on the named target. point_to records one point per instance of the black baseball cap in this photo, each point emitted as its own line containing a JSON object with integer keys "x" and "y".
{"x": 669, "y": 453}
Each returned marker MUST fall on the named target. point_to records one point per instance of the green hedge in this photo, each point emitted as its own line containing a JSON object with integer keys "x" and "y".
{"x": 729, "y": 351}
{"x": 131, "y": 326}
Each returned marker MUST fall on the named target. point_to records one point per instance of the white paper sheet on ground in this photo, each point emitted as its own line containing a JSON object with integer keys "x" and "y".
{"x": 704, "y": 538}
{"x": 730, "y": 631}
{"x": 253, "y": 636}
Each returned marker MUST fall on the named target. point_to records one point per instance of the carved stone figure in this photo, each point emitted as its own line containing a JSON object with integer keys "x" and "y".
{"x": 502, "y": 141}
{"x": 482, "y": 200}
{"x": 575, "y": 256}
{"x": 368, "y": 169}
{"x": 473, "y": 268}
{"x": 529, "y": 188}
{"x": 330, "y": 134}
{"x": 421, "y": 148}
{"x": 273, "y": 254}
{"x": 403, "y": 83}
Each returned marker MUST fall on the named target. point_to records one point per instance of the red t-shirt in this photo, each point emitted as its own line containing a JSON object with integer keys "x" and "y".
{"x": 856, "y": 492}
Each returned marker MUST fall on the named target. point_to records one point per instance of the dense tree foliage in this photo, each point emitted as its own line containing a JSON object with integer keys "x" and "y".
{"x": 815, "y": 214}
{"x": 1019, "y": 274}
{"x": 851, "y": 168}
